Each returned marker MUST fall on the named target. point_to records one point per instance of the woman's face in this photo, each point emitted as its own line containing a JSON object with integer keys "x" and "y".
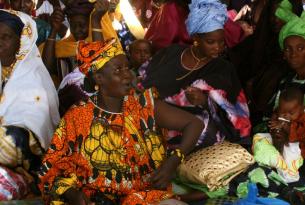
{"x": 79, "y": 27}
{"x": 26, "y": 6}
{"x": 9, "y": 42}
{"x": 115, "y": 78}
{"x": 211, "y": 44}
{"x": 294, "y": 52}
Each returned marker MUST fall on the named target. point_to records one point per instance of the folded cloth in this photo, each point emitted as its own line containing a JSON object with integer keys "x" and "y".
{"x": 12, "y": 185}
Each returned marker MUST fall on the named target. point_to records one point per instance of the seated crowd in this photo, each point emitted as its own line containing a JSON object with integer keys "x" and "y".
{"x": 152, "y": 101}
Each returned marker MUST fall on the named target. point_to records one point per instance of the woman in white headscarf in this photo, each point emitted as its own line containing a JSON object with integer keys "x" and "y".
{"x": 28, "y": 105}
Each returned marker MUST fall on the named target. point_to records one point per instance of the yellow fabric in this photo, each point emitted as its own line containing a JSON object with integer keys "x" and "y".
{"x": 93, "y": 56}
{"x": 67, "y": 47}
{"x": 66, "y": 183}
{"x": 111, "y": 52}
{"x": 57, "y": 203}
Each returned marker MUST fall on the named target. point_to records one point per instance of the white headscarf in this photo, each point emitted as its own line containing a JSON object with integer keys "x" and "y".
{"x": 29, "y": 98}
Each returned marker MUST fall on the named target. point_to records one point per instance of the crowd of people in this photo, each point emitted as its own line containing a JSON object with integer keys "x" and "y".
{"x": 92, "y": 113}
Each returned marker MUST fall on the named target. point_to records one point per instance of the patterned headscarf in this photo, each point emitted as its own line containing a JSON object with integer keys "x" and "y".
{"x": 93, "y": 56}
{"x": 206, "y": 16}
{"x": 295, "y": 26}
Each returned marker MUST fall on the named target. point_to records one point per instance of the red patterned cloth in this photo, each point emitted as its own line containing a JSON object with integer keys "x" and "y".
{"x": 12, "y": 185}
{"x": 297, "y": 133}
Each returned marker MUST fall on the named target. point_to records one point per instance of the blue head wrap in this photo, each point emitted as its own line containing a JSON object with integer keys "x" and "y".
{"x": 206, "y": 16}
{"x": 12, "y": 21}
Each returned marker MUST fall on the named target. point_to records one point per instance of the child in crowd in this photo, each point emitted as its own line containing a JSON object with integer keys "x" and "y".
{"x": 283, "y": 148}
{"x": 288, "y": 121}
{"x": 140, "y": 51}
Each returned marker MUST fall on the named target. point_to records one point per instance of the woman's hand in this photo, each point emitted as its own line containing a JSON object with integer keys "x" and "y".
{"x": 242, "y": 12}
{"x": 76, "y": 197}
{"x": 101, "y": 7}
{"x": 164, "y": 174}
{"x": 196, "y": 97}
{"x": 57, "y": 18}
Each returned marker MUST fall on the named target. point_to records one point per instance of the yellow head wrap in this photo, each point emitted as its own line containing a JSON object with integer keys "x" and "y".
{"x": 93, "y": 56}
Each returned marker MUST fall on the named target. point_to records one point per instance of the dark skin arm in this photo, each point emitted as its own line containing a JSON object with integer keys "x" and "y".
{"x": 76, "y": 197}
{"x": 196, "y": 96}
{"x": 175, "y": 119}
{"x": 48, "y": 54}
{"x": 101, "y": 7}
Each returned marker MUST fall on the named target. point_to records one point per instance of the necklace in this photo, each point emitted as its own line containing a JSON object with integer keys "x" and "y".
{"x": 190, "y": 69}
{"x": 7, "y": 71}
{"x": 94, "y": 100}
{"x": 193, "y": 54}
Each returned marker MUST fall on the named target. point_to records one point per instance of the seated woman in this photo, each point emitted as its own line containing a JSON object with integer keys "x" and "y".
{"x": 29, "y": 103}
{"x": 107, "y": 149}
{"x": 291, "y": 40}
{"x": 196, "y": 79}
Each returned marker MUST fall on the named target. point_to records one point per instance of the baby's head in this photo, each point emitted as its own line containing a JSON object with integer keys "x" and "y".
{"x": 291, "y": 105}
{"x": 140, "y": 51}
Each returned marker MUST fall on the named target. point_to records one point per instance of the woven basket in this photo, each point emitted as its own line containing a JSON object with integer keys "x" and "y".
{"x": 215, "y": 166}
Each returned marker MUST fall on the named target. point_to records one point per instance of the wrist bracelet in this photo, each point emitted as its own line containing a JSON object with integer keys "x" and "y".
{"x": 51, "y": 39}
{"x": 179, "y": 154}
{"x": 97, "y": 30}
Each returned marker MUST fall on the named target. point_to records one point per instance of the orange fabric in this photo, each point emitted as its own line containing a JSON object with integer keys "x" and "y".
{"x": 111, "y": 153}
{"x": 93, "y": 56}
{"x": 153, "y": 197}
{"x": 297, "y": 133}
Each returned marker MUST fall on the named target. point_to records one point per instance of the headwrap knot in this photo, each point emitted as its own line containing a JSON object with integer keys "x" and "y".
{"x": 93, "y": 56}
{"x": 295, "y": 26}
{"x": 206, "y": 16}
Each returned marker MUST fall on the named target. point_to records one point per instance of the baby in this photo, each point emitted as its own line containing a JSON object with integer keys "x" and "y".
{"x": 283, "y": 147}
{"x": 288, "y": 121}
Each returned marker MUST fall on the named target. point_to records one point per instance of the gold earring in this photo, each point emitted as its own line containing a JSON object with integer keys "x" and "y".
{"x": 96, "y": 87}
{"x": 196, "y": 43}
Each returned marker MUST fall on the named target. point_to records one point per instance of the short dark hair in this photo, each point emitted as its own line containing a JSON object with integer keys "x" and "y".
{"x": 292, "y": 93}
{"x": 134, "y": 43}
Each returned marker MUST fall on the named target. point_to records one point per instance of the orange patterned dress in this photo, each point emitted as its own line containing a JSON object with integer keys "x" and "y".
{"x": 106, "y": 154}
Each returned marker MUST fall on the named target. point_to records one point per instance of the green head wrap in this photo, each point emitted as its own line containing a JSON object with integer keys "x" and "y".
{"x": 295, "y": 26}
